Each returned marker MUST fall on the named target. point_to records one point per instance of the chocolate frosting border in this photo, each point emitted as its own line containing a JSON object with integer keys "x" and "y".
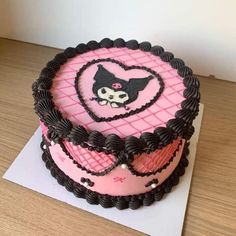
{"x": 120, "y": 158}
{"x": 120, "y": 202}
{"x": 133, "y": 145}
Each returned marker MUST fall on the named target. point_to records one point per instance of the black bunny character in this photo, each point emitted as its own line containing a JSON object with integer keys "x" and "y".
{"x": 117, "y": 92}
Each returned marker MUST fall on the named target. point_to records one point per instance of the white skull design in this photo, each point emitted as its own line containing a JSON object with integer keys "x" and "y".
{"x": 113, "y": 97}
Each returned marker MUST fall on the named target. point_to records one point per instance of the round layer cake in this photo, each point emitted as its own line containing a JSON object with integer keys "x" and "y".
{"x": 116, "y": 118}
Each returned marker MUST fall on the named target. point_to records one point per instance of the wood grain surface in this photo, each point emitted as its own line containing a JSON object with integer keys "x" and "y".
{"x": 212, "y": 203}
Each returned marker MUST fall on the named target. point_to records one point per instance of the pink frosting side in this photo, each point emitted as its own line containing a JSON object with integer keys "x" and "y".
{"x": 98, "y": 161}
{"x": 119, "y": 181}
{"x": 66, "y": 99}
{"x": 91, "y": 160}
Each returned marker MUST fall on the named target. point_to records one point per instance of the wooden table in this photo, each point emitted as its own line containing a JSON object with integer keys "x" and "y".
{"x": 212, "y": 202}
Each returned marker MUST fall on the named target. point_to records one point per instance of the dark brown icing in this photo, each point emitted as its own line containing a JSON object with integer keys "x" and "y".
{"x": 120, "y": 202}
{"x": 162, "y": 135}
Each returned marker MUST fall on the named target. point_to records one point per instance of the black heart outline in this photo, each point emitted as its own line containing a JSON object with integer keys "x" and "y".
{"x": 125, "y": 67}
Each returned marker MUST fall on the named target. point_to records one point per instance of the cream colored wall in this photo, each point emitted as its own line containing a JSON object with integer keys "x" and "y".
{"x": 202, "y": 32}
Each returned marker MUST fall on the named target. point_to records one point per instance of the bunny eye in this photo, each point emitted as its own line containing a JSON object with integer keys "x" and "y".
{"x": 122, "y": 95}
{"x": 103, "y": 91}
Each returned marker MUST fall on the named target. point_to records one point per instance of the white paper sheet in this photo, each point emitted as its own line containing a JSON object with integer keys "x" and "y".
{"x": 163, "y": 218}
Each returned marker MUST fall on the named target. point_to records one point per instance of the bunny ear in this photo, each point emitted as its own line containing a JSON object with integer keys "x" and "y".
{"x": 139, "y": 84}
{"x": 102, "y": 73}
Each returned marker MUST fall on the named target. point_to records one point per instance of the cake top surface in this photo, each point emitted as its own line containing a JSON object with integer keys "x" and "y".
{"x": 117, "y": 88}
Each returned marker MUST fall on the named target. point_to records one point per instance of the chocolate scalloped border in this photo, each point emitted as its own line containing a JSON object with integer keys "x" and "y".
{"x": 159, "y": 170}
{"x": 62, "y": 128}
{"x": 119, "y": 161}
{"x": 120, "y": 202}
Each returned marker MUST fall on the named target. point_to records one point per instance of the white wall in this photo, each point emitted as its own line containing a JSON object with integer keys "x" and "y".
{"x": 202, "y": 32}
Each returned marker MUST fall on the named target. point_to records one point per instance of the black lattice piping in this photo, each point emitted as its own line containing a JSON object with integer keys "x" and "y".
{"x": 120, "y": 202}
{"x": 62, "y": 128}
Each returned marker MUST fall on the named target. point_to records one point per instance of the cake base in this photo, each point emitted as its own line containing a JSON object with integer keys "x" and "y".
{"x": 120, "y": 202}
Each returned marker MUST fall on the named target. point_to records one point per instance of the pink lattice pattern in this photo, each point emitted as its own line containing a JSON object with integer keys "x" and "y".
{"x": 151, "y": 162}
{"x": 65, "y": 96}
{"x": 91, "y": 160}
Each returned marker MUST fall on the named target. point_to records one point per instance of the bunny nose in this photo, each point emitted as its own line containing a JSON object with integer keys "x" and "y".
{"x": 111, "y": 96}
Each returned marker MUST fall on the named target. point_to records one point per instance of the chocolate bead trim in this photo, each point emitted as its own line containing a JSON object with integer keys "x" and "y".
{"x": 120, "y": 202}
{"x": 41, "y": 90}
{"x": 88, "y": 181}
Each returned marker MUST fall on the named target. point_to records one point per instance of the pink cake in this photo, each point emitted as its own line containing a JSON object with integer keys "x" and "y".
{"x": 116, "y": 118}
